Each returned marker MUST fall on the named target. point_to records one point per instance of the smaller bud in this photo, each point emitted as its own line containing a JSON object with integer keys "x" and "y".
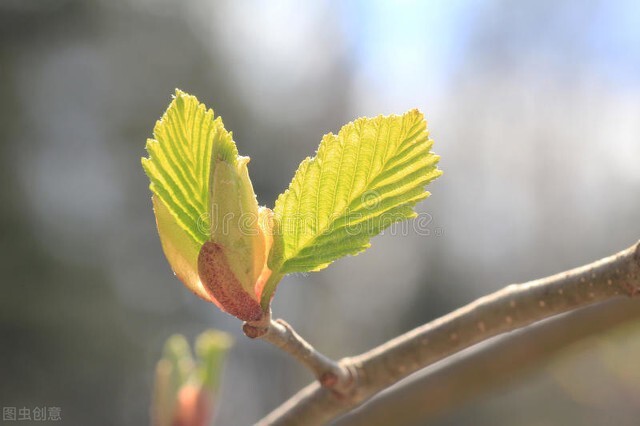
{"x": 173, "y": 371}
{"x": 194, "y": 406}
{"x": 212, "y": 347}
{"x": 185, "y": 389}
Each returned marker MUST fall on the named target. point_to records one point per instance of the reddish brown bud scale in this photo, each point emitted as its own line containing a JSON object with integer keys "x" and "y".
{"x": 194, "y": 406}
{"x": 220, "y": 282}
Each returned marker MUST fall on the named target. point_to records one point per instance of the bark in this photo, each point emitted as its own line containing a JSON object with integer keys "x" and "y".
{"x": 511, "y": 308}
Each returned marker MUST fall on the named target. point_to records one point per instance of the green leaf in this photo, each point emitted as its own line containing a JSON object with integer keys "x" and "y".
{"x": 180, "y": 158}
{"x": 361, "y": 181}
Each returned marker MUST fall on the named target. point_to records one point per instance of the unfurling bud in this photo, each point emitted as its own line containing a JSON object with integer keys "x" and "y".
{"x": 231, "y": 263}
{"x": 214, "y": 235}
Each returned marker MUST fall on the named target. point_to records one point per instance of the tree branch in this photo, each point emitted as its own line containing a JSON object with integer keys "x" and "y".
{"x": 508, "y": 309}
{"x": 465, "y": 376}
{"x": 329, "y": 373}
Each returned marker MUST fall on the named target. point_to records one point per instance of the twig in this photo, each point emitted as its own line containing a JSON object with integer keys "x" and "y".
{"x": 508, "y": 309}
{"x": 329, "y": 373}
{"x": 449, "y": 384}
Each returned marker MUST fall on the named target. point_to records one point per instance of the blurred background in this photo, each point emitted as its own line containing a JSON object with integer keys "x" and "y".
{"x": 533, "y": 106}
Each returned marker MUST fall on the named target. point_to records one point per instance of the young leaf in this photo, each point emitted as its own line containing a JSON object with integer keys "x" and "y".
{"x": 179, "y": 162}
{"x": 361, "y": 181}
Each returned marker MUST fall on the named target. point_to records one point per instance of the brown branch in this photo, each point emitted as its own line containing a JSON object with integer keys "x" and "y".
{"x": 451, "y": 383}
{"x": 329, "y": 373}
{"x": 508, "y": 309}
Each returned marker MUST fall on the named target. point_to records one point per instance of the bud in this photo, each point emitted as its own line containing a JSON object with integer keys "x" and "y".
{"x": 173, "y": 371}
{"x": 212, "y": 231}
{"x": 194, "y": 406}
{"x": 185, "y": 389}
{"x": 230, "y": 264}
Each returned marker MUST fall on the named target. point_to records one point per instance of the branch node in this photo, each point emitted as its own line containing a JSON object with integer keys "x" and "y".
{"x": 328, "y": 379}
{"x": 346, "y": 382}
{"x": 256, "y": 329}
{"x": 253, "y": 332}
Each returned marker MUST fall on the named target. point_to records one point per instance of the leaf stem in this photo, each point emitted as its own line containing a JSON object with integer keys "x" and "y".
{"x": 269, "y": 289}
